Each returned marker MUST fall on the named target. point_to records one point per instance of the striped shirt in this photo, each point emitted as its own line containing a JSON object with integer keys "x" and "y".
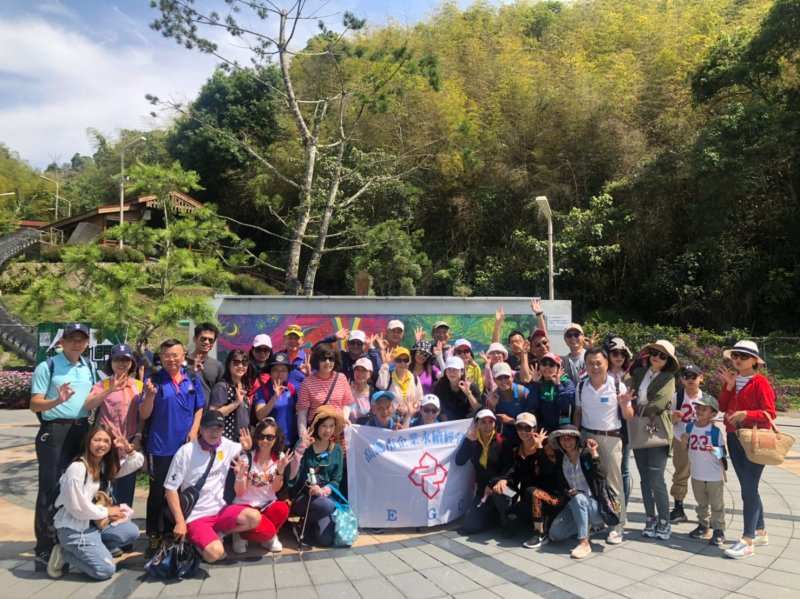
{"x": 315, "y": 390}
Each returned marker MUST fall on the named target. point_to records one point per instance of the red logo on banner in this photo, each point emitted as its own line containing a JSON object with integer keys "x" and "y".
{"x": 429, "y": 475}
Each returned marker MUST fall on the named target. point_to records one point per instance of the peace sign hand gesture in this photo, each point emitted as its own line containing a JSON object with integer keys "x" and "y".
{"x": 149, "y": 390}
{"x": 245, "y": 439}
{"x": 305, "y": 367}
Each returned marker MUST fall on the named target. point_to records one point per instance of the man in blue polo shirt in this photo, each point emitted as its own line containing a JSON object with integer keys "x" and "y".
{"x": 59, "y": 390}
{"x": 172, "y": 404}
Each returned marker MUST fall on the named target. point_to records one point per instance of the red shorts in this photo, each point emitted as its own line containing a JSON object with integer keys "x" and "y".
{"x": 203, "y": 531}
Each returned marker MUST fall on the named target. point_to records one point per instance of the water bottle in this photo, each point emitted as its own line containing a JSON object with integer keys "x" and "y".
{"x": 312, "y": 477}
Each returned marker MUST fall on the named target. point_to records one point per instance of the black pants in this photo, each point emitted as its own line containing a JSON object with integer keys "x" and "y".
{"x": 320, "y": 527}
{"x": 57, "y": 445}
{"x": 158, "y": 467}
{"x": 487, "y": 514}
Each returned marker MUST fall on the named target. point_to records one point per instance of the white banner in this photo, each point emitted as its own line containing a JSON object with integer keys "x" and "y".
{"x": 407, "y": 478}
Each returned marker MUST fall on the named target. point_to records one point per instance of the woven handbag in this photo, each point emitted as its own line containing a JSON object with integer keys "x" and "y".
{"x": 765, "y": 446}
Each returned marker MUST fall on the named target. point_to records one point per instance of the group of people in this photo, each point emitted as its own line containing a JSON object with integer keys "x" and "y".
{"x": 260, "y": 437}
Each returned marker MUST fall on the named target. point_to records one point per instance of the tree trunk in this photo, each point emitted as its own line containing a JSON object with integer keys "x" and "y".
{"x": 301, "y": 224}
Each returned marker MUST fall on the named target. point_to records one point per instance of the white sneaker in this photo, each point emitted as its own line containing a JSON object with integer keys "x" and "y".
{"x": 761, "y": 540}
{"x": 740, "y": 550}
{"x": 238, "y": 544}
{"x": 615, "y": 537}
{"x": 55, "y": 565}
{"x": 274, "y": 545}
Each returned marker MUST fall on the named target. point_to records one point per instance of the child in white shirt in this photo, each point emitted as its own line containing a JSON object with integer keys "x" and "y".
{"x": 705, "y": 443}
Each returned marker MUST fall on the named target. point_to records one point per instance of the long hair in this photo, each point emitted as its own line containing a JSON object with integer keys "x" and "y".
{"x": 280, "y": 440}
{"x": 240, "y": 355}
{"x": 109, "y": 463}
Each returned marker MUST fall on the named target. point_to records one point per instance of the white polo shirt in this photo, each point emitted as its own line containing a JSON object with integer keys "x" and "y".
{"x": 599, "y": 407}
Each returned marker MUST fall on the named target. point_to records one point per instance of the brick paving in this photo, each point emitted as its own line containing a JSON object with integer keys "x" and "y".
{"x": 438, "y": 563}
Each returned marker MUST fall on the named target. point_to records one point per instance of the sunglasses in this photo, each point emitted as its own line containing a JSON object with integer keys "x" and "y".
{"x": 740, "y": 356}
{"x": 525, "y": 428}
{"x": 573, "y": 334}
{"x": 542, "y": 344}
{"x": 238, "y": 362}
{"x": 430, "y": 410}
{"x": 267, "y": 437}
{"x": 654, "y": 353}
{"x": 402, "y": 360}
{"x": 689, "y": 376}
{"x": 261, "y": 350}
{"x": 328, "y": 359}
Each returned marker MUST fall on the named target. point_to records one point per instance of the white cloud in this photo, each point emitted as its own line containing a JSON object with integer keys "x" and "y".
{"x": 57, "y": 83}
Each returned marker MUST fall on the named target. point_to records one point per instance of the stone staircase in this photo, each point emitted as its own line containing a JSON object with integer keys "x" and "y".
{"x": 14, "y": 334}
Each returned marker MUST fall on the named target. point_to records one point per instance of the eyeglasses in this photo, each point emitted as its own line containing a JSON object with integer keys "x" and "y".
{"x": 740, "y": 356}
{"x": 430, "y": 410}
{"x": 267, "y": 437}
{"x": 572, "y": 334}
{"x": 654, "y": 353}
{"x": 261, "y": 350}
{"x": 238, "y": 362}
{"x": 402, "y": 360}
{"x": 524, "y": 428}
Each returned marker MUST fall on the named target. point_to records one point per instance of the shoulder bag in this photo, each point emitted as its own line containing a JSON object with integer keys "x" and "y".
{"x": 645, "y": 432}
{"x": 765, "y": 446}
{"x": 190, "y": 495}
{"x": 345, "y": 521}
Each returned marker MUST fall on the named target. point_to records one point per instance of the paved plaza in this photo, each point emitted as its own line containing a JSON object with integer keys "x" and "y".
{"x": 437, "y": 563}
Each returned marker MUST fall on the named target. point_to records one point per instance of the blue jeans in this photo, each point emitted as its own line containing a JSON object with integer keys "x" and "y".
{"x": 575, "y": 519}
{"x": 89, "y": 551}
{"x": 125, "y": 488}
{"x": 651, "y": 464}
{"x": 627, "y": 482}
{"x": 749, "y": 475}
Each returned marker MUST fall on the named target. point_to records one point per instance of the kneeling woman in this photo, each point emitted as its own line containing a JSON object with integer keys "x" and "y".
{"x": 318, "y": 450}
{"x": 88, "y": 533}
{"x": 257, "y": 484}
{"x": 581, "y": 482}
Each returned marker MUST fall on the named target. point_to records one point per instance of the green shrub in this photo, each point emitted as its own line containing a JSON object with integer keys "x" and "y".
{"x": 244, "y": 284}
{"x": 50, "y": 253}
{"x": 115, "y": 254}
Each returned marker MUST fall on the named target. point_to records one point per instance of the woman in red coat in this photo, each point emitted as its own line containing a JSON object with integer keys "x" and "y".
{"x": 745, "y": 397}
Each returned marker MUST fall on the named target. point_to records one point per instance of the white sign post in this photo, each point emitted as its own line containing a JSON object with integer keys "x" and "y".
{"x": 406, "y": 478}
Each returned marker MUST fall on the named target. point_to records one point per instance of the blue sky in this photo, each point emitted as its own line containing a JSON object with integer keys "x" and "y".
{"x": 67, "y": 65}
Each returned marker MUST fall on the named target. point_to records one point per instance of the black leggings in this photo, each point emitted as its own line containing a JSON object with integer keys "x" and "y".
{"x": 158, "y": 465}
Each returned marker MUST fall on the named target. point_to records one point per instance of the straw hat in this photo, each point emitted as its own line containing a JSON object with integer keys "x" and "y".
{"x": 744, "y": 347}
{"x": 323, "y": 413}
{"x": 665, "y": 346}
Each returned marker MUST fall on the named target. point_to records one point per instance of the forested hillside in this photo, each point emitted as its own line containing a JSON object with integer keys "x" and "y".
{"x": 665, "y": 134}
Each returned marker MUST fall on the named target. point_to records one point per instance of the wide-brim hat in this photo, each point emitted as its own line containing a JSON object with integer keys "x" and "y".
{"x": 618, "y": 344}
{"x": 323, "y": 413}
{"x": 744, "y": 347}
{"x": 665, "y": 346}
{"x": 498, "y": 347}
{"x": 569, "y": 430}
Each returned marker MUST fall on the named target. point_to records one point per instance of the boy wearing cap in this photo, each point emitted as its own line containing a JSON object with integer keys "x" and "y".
{"x": 429, "y": 409}
{"x": 705, "y": 445}
{"x": 293, "y": 339}
{"x": 683, "y": 412}
{"x": 382, "y": 412}
{"x": 59, "y": 390}
{"x": 210, "y": 517}
{"x": 574, "y": 363}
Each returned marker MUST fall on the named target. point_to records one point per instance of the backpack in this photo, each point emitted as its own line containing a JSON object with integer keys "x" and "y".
{"x": 51, "y": 368}
{"x": 715, "y": 442}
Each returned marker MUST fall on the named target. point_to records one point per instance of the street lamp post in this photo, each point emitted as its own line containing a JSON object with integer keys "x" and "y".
{"x": 56, "y": 182}
{"x": 545, "y": 212}
{"x": 122, "y": 184}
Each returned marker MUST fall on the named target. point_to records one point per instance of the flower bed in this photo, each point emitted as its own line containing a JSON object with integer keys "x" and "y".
{"x": 15, "y": 389}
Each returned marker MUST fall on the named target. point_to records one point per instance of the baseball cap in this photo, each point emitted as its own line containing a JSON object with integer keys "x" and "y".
{"x": 454, "y": 362}
{"x": 462, "y": 343}
{"x": 430, "y": 400}
{"x": 526, "y": 418}
{"x": 401, "y": 351}
{"x": 212, "y": 418}
{"x": 294, "y": 329}
{"x": 502, "y": 369}
{"x": 707, "y": 400}
{"x": 261, "y": 341}
{"x": 440, "y": 323}
{"x": 551, "y": 356}
{"x": 75, "y": 327}
{"x": 499, "y": 347}
{"x": 364, "y": 363}
{"x": 485, "y": 413}
{"x": 378, "y": 395}
{"x": 280, "y": 359}
{"x": 395, "y": 324}
{"x": 573, "y": 326}
{"x": 691, "y": 369}
{"x": 356, "y": 335}
{"x": 122, "y": 350}
{"x": 538, "y": 333}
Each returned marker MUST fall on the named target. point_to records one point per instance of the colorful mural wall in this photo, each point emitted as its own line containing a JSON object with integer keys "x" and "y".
{"x": 238, "y": 330}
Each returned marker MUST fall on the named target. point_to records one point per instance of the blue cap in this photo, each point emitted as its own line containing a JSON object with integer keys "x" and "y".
{"x": 75, "y": 327}
{"x": 382, "y": 395}
{"x": 122, "y": 350}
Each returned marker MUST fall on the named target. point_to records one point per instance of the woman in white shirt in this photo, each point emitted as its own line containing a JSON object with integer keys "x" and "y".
{"x": 88, "y": 532}
{"x": 257, "y": 485}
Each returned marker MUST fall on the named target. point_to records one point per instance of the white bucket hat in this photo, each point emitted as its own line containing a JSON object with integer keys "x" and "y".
{"x": 744, "y": 347}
